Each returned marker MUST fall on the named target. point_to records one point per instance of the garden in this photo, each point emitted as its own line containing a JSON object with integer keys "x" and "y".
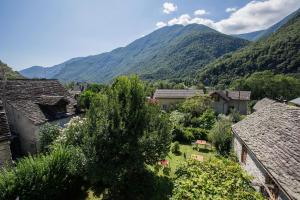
{"x": 128, "y": 148}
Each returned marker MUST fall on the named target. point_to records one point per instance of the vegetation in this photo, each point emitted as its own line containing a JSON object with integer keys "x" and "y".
{"x": 56, "y": 175}
{"x": 9, "y": 73}
{"x": 267, "y": 84}
{"x": 213, "y": 179}
{"x": 47, "y": 135}
{"x": 176, "y": 148}
{"x": 279, "y": 52}
{"x": 221, "y": 136}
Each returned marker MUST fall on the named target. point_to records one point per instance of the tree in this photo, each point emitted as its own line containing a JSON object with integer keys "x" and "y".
{"x": 213, "y": 179}
{"x": 221, "y": 136}
{"x": 86, "y": 98}
{"x": 123, "y": 133}
{"x": 47, "y": 134}
{"x": 196, "y": 106}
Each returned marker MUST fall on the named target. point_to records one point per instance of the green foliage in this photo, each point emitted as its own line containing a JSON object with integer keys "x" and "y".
{"x": 221, "y": 136}
{"x": 47, "y": 135}
{"x": 52, "y": 176}
{"x": 86, "y": 98}
{"x": 9, "y": 73}
{"x": 182, "y": 135}
{"x": 176, "y": 148}
{"x": 123, "y": 133}
{"x": 235, "y": 116}
{"x": 198, "y": 133}
{"x": 213, "y": 179}
{"x": 176, "y": 118}
{"x": 280, "y": 53}
{"x": 96, "y": 88}
{"x": 196, "y": 106}
{"x": 267, "y": 84}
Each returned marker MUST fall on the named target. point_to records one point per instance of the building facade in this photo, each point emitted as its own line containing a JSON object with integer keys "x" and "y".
{"x": 5, "y": 136}
{"x": 267, "y": 144}
{"x": 225, "y": 101}
{"x": 169, "y": 97}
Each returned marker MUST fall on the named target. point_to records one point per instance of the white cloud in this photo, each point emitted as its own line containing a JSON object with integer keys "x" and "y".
{"x": 257, "y": 15}
{"x": 200, "y": 12}
{"x": 160, "y": 24}
{"x": 169, "y": 7}
{"x": 254, "y": 16}
{"x": 230, "y": 9}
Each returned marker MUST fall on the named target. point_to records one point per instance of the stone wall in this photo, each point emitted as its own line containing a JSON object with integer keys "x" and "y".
{"x": 5, "y": 153}
{"x": 253, "y": 167}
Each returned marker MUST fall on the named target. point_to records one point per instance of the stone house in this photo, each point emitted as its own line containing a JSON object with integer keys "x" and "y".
{"x": 30, "y": 103}
{"x": 267, "y": 144}
{"x": 168, "y": 97}
{"x": 5, "y": 136}
{"x": 224, "y": 101}
{"x": 263, "y": 103}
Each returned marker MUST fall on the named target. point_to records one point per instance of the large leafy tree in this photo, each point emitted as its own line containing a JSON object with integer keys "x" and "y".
{"x": 124, "y": 133}
{"x": 217, "y": 179}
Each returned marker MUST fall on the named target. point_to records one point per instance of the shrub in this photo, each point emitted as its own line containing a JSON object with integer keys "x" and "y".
{"x": 52, "y": 176}
{"x": 198, "y": 133}
{"x": 47, "y": 134}
{"x": 213, "y": 179}
{"x": 176, "y": 148}
{"x": 221, "y": 136}
{"x": 182, "y": 135}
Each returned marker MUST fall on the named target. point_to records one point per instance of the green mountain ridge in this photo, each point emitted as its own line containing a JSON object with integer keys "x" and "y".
{"x": 280, "y": 53}
{"x": 172, "y": 52}
{"x": 8, "y": 72}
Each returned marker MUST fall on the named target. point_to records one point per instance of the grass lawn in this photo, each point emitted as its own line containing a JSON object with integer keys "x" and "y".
{"x": 175, "y": 160}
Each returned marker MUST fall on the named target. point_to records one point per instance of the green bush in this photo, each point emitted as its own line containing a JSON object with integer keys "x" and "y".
{"x": 182, "y": 135}
{"x": 52, "y": 176}
{"x": 198, "y": 133}
{"x": 176, "y": 148}
{"x": 213, "y": 179}
{"x": 221, "y": 136}
{"x": 47, "y": 134}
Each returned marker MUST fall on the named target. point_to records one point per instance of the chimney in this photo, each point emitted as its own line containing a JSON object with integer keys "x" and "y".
{"x": 226, "y": 93}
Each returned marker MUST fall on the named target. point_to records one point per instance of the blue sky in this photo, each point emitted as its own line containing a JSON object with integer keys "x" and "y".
{"x": 40, "y": 32}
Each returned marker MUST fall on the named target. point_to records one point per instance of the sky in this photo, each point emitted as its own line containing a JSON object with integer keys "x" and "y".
{"x": 45, "y": 33}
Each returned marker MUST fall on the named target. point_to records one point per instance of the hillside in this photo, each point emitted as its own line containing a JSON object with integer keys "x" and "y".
{"x": 168, "y": 53}
{"x": 252, "y": 36}
{"x": 9, "y": 73}
{"x": 279, "y": 53}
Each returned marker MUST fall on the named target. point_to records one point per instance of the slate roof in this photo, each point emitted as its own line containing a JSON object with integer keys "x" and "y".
{"x": 273, "y": 135}
{"x": 4, "y": 128}
{"x": 296, "y": 101}
{"x": 263, "y": 103}
{"x": 176, "y": 94}
{"x": 233, "y": 95}
{"x": 27, "y": 94}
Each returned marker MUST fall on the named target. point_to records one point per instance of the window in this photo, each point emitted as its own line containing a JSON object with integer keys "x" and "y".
{"x": 272, "y": 187}
{"x": 244, "y": 154}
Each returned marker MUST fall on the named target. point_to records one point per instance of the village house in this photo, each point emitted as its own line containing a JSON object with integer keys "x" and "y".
{"x": 224, "y": 101}
{"x": 30, "y": 103}
{"x": 5, "y": 136}
{"x": 168, "y": 97}
{"x": 267, "y": 144}
{"x": 263, "y": 103}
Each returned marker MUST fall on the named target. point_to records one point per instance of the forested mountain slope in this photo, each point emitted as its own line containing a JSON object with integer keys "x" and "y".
{"x": 171, "y": 52}
{"x": 9, "y": 73}
{"x": 279, "y": 53}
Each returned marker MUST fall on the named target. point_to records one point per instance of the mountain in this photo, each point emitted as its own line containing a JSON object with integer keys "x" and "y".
{"x": 172, "y": 52}
{"x": 254, "y": 36}
{"x": 9, "y": 73}
{"x": 45, "y": 72}
{"x": 280, "y": 53}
